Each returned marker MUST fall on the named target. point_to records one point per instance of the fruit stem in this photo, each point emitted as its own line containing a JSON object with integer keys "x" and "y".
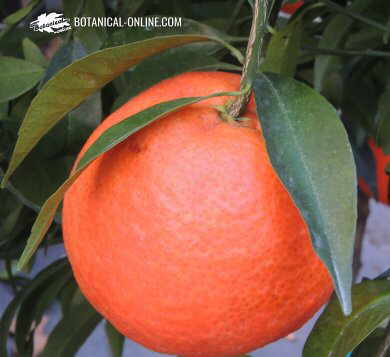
{"x": 254, "y": 53}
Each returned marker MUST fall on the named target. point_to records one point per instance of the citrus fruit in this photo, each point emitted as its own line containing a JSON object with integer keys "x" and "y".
{"x": 183, "y": 236}
{"x": 382, "y": 179}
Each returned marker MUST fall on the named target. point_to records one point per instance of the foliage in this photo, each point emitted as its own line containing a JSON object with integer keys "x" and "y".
{"x": 56, "y": 88}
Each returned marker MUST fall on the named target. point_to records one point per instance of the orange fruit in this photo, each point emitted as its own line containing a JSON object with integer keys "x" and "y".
{"x": 184, "y": 237}
{"x": 382, "y": 179}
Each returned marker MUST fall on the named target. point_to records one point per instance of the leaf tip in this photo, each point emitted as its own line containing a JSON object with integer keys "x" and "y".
{"x": 20, "y": 266}
{"x": 344, "y": 296}
{"x": 22, "y": 263}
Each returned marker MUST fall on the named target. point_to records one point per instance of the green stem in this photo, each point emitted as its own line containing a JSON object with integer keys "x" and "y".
{"x": 254, "y": 52}
{"x": 356, "y": 16}
{"x": 339, "y": 52}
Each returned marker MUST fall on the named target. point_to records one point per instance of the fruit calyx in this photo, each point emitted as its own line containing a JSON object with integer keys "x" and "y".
{"x": 223, "y": 111}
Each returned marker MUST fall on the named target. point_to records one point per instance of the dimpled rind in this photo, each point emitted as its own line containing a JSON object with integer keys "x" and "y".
{"x": 183, "y": 236}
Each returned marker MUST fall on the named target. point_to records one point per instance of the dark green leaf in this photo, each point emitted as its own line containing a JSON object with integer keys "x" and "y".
{"x": 17, "y": 77}
{"x": 72, "y": 331}
{"x": 11, "y": 40}
{"x": 5, "y": 324}
{"x": 4, "y": 109}
{"x": 58, "y": 267}
{"x": 105, "y": 142}
{"x": 130, "y": 7}
{"x": 92, "y": 37}
{"x": 172, "y": 62}
{"x": 326, "y": 67}
{"x": 383, "y": 121}
{"x": 72, "y": 85}
{"x": 37, "y": 178}
{"x": 11, "y": 188}
{"x": 67, "y": 295}
{"x": 366, "y": 38}
{"x": 72, "y": 8}
{"x": 309, "y": 149}
{"x": 33, "y": 307}
{"x": 360, "y": 94}
{"x": 32, "y": 53}
{"x": 21, "y": 13}
{"x": 283, "y": 50}
{"x": 19, "y": 109}
{"x": 82, "y": 121}
{"x": 10, "y": 211}
{"x": 187, "y": 27}
{"x": 370, "y": 344}
{"x": 65, "y": 56}
{"x": 335, "y": 335}
{"x": 115, "y": 339}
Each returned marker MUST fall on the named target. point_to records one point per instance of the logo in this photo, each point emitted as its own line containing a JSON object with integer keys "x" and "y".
{"x": 52, "y": 23}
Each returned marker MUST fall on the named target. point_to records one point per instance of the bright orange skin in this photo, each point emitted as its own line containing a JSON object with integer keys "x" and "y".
{"x": 184, "y": 237}
{"x": 382, "y": 179}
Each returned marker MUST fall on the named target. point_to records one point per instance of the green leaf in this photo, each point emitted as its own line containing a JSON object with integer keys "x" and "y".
{"x": 19, "y": 109}
{"x": 326, "y": 67}
{"x": 19, "y": 15}
{"x": 192, "y": 57}
{"x": 366, "y": 38}
{"x": 17, "y": 194}
{"x": 32, "y": 53}
{"x": 4, "y": 108}
{"x": 72, "y": 85}
{"x": 17, "y": 77}
{"x": 335, "y": 335}
{"x": 32, "y": 309}
{"x": 12, "y": 36}
{"x": 283, "y": 50}
{"x": 5, "y": 324}
{"x": 66, "y": 55}
{"x": 115, "y": 339}
{"x": 370, "y": 344}
{"x": 383, "y": 121}
{"x": 309, "y": 150}
{"x": 111, "y": 137}
{"x": 92, "y": 37}
{"x": 72, "y": 331}
{"x": 67, "y": 295}
{"x": 10, "y": 211}
{"x": 130, "y": 7}
{"x": 37, "y": 178}
{"x": 72, "y": 8}
{"x": 82, "y": 121}
{"x": 187, "y": 27}
{"x": 58, "y": 267}
{"x": 360, "y": 94}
